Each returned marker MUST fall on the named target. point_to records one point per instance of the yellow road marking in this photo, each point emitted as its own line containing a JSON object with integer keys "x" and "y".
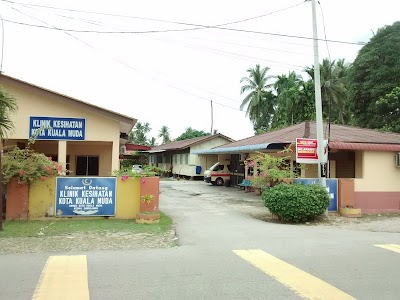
{"x": 63, "y": 277}
{"x": 302, "y": 283}
{"x": 391, "y": 247}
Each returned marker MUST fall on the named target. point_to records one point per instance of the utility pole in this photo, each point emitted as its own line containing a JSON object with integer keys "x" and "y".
{"x": 318, "y": 102}
{"x": 212, "y": 117}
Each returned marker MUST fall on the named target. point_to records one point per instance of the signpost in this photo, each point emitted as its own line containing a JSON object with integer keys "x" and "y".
{"x": 85, "y": 196}
{"x": 49, "y": 128}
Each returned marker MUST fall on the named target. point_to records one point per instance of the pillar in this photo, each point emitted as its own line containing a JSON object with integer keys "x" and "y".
{"x": 115, "y": 156}
{"x": 62, "y": 153}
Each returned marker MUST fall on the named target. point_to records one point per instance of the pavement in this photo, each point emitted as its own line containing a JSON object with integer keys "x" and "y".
{"x": 223, "y": 253}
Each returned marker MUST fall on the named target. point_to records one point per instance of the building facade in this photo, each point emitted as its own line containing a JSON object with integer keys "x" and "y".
{"x": 85, "y": 138}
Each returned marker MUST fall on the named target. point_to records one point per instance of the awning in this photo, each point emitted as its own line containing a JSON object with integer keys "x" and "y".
{"x": 240, "y": 149}
{"x": 154, "y": 151}
{"x": 365, "y": 146}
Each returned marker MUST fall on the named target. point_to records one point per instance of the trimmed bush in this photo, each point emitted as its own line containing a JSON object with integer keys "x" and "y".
{"x": 297, "y": 202}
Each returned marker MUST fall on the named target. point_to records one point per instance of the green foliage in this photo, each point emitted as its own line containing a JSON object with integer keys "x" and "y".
{"x": 259, "y": 182}
{"x": 88, "y": 226}
{"x": 388, "y": 111}
{"x": 8, "y": 105}
{"x": 334, "y": 89}
{"x": 147, "y": 198}
{"x": 28, "y": 165}
{"x": 164, "y": 134}
{"x": 191, "y": 133}
{"x": 297, "y": 202}
{"x": 139, "y": 134}
{"x": 259, "y": 101}
{"x": 272, "y": 168}
{"x": 374, "y": 74}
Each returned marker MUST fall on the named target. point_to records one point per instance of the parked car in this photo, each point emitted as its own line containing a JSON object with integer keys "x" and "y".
{"x": 137, "y": 169}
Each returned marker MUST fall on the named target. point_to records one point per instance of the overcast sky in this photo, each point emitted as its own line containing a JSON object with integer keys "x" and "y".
{"x": 169, "y": 78}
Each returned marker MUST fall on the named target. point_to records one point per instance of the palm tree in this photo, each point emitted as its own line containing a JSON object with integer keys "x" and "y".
{"x": 153, "y": 142}
{"x": 257, "y": 85}
{"x": 287, "y": 88}
{"x": 139, "y": 134}
{"x": 8, "y": 105}
{"x": 164, "y": 134}
{"x": 334, "y": 89}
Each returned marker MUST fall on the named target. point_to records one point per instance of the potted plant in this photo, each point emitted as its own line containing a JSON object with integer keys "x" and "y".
{"x": 350, "y": 212}
{"x": 258, "y": 183}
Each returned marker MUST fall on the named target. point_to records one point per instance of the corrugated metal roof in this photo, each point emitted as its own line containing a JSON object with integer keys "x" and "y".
{"x": 364, "y": 146}
{"x": 178, "y": 145}
{"x": 238, "y": 149}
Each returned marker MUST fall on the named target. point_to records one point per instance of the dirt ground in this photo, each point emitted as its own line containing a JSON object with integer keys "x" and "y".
{"x": 78, "y": 242}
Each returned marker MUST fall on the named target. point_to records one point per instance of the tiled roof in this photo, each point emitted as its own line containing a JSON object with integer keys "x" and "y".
{"x": 365, "y": 146}
{"x": 338, "y": 133}
{"x": 178, "y": 145}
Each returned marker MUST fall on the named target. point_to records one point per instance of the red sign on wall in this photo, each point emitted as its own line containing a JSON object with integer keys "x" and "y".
{"x": 306, "y": 151}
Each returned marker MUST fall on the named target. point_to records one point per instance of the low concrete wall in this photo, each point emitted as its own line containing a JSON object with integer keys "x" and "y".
{"x": 42, "y": 197}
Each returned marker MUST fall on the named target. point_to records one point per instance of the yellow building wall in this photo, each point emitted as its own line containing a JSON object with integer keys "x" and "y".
{"x": 205, "y": 161}
{"x": 34, "y": 102}
{"x": 42, "y": 198}
{"x": 379, "y": 173}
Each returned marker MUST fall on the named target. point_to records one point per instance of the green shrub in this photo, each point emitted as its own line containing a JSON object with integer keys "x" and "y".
{"x": 297, "y": 202}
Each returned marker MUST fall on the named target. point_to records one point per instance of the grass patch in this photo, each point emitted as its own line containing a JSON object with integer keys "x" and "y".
{"x": 67, "y": 226}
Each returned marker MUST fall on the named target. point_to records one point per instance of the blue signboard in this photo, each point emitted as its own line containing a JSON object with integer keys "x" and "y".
{"x": 85, "y": 196}
{"x": 49, "y": 128}
{"x": 331, "y": 187}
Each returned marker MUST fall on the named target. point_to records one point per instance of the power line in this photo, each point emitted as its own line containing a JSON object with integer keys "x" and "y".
{"x": 153, "y": 19}
{"x": 178, "y": 30}
{"x": 323, "y": 23}
{"x": 127, "y": 65}
{"x": 219, "y": 27}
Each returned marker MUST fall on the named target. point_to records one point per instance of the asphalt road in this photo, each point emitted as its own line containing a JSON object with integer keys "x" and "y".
{"x": 317, "y": 262}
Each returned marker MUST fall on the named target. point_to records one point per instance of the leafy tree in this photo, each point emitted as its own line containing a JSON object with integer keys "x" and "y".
{"x": 334, "y": 89}
{"x": 262, "y": 122}
{"x": 257, "y": 86}
{"x": 153, "y": 142}
{"x": 388, "y": 111}
{"x": 164, "y": 134}
{"x": 288, "y": 95}
{"x": 191, "y": 133}
{"x": 374, "y": 73}
{"x": 8, "y": 105}
{"x": 139, "y": 134}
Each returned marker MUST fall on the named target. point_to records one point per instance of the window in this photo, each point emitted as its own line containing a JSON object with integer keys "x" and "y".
{"x": 175, "y": 158}
{"x": 159, "y": 159}
{"x": 180, "y": 158}
{"x": 87, "y": 165}
{"x": 187, "y": 159}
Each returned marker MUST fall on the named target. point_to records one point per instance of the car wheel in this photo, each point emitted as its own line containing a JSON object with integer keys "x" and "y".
{"x": 219, "y": 181}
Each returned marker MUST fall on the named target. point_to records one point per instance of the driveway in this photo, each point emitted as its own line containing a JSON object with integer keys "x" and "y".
{"x": 215, "y": 229}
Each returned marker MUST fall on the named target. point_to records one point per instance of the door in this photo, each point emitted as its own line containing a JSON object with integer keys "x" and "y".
{"x": 87, "y": 165}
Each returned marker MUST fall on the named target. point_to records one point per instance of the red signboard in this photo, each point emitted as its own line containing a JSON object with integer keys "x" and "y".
{"x": 306, "y": 151}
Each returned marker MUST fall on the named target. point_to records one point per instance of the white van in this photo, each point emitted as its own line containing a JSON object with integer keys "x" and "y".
{"x": 218, "y": 174}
